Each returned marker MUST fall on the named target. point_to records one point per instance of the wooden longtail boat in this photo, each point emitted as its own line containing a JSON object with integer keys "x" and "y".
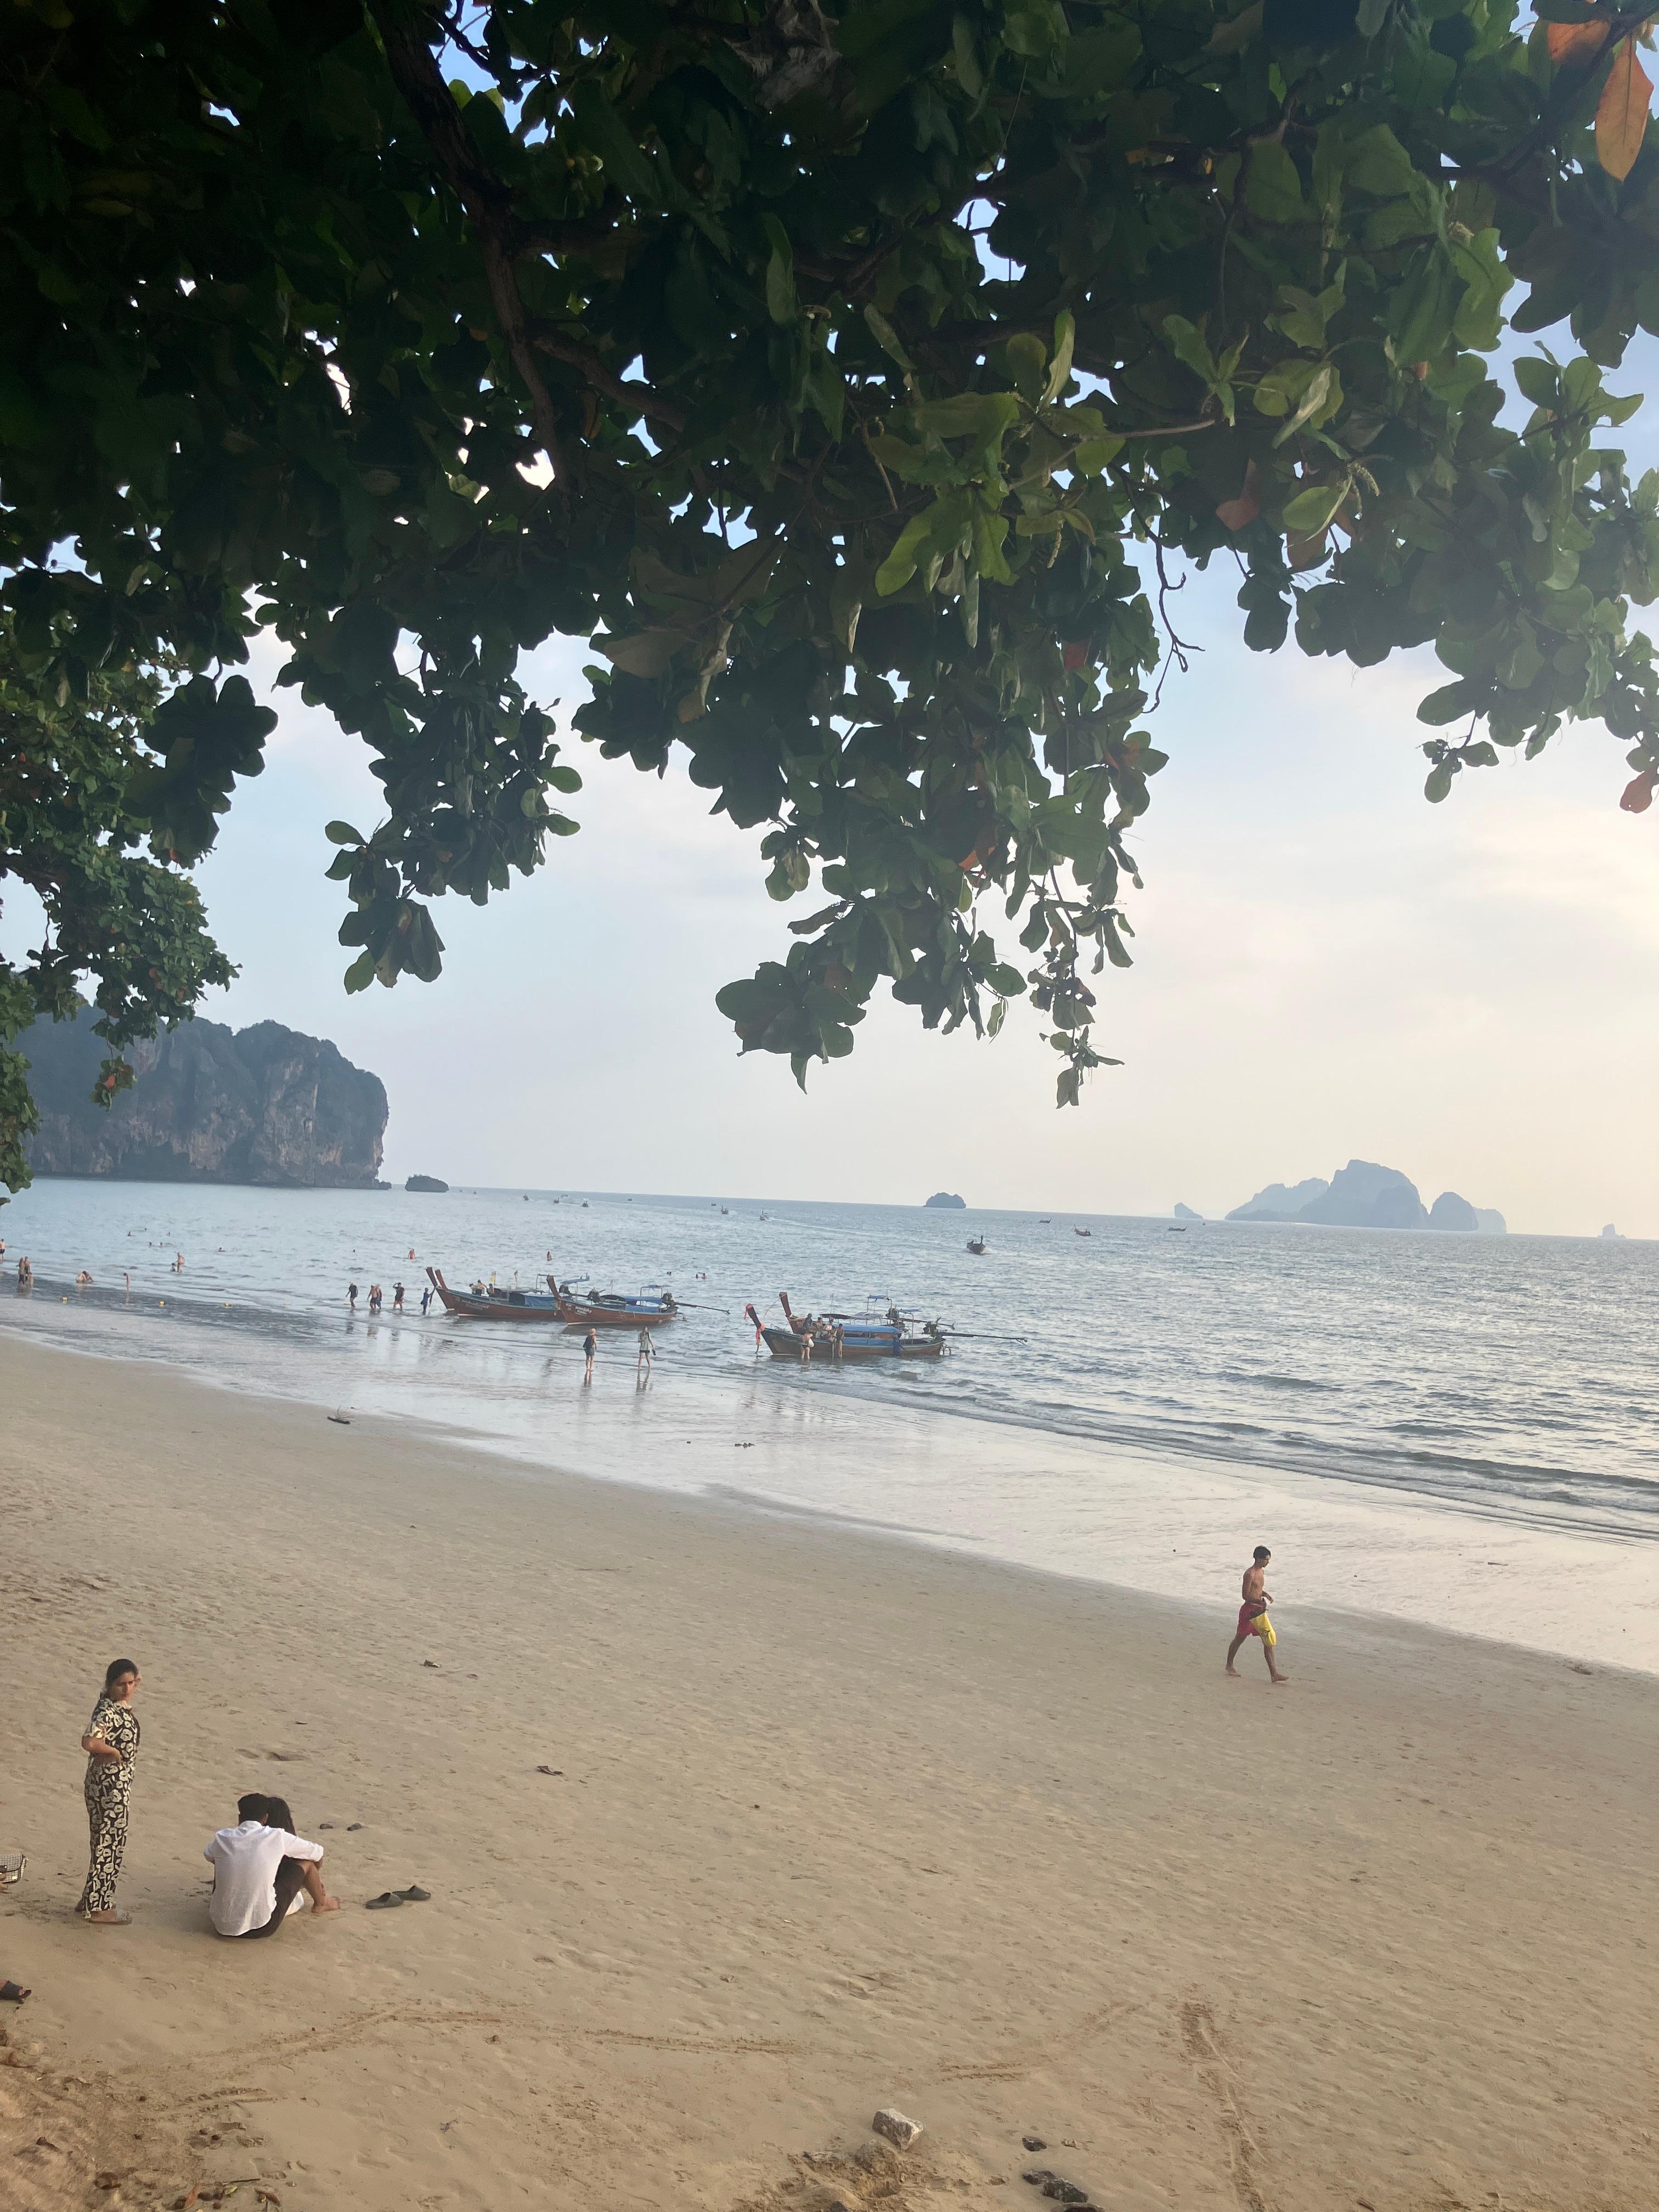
{"x": 557, "y": 1303}
{"x": 494, "y": 1304}
{"x": 868, "y": 1335}
{"x": 612, "y": 1309}
{"x": 976, "y": 1246}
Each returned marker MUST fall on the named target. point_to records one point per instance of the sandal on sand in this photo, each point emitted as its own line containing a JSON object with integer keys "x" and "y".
{"x": 11, "y": 1993}
{"x": 115, "y": 1920}
{"x": 416, "y": 1895}
{"x": 385, "y": 1900}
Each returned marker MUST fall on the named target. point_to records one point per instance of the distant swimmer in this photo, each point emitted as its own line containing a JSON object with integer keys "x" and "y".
{"x": 25, "y": 1274}
{"x": 1253, "y": 1617}
{"x": 411, "y": 1251}
{"x": 590, "y": 1345}
{"x": 178, "y": 1263}
{"x": 83, "y": 1281}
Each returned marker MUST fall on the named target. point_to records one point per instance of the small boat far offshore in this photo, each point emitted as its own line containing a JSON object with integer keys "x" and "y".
{"x": 976, "y": 1246}
{"x": 1076, "y": 1231}
{"x": 887, "y": 1334}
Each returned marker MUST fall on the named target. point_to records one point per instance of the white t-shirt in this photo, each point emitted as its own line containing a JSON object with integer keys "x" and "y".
{"x": 245, "y": 1860}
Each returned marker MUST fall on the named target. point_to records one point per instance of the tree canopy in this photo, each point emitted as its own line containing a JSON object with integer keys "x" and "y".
{"x": 857, "y": 378}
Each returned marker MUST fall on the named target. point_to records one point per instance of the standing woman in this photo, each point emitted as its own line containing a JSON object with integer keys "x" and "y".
{"x": 111, "y": 1745}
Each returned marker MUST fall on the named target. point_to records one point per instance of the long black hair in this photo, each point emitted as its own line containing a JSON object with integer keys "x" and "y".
{"x": 278, "y": 1814}
{"x": 114, "y": 1671}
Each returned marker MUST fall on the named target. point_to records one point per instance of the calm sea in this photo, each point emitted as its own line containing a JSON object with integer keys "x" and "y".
{"x": 1440, "y": 1427}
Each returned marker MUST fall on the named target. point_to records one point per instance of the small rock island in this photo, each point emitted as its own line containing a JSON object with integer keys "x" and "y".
{"x": 947, "y": 1198}
{"x": 425, "y": 1182}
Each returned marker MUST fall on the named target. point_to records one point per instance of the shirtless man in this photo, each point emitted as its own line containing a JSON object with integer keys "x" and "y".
{"x": 1253, "y": 1617}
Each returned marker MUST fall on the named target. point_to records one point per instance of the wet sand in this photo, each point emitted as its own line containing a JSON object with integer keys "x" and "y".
{"x": 839, "y": 1822}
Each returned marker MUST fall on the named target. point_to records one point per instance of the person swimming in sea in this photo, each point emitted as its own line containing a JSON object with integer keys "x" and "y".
{"x": 1253, "y": 1619}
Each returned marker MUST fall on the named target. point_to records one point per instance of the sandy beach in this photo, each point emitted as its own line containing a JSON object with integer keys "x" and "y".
{"x": 839, "y": 1822}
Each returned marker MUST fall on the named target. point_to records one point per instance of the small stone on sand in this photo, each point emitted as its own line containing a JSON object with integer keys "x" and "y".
{"x": 896, "y": 2129}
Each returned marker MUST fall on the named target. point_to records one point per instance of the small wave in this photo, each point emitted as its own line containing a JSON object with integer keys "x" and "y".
{"x": 1272, "y": 1382}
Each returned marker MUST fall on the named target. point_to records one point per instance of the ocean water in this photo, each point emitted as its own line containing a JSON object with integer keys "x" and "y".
{"x": 1423, "y": 1427}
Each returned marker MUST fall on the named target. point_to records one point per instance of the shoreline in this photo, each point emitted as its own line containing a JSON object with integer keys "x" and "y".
{"x": 1116, "y": 1518}
{"x": 838, "y": 1823}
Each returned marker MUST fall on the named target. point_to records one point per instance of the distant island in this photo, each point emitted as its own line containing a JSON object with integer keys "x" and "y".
{"x": 1185, "y": 1213}
{"x": 1617, "y": 1235}
{"x": 947, "y": 1198}
{"x": 263, "y": 1105}
{"x": 425, "y": 1182}
{"x": 1364, "y": 1196}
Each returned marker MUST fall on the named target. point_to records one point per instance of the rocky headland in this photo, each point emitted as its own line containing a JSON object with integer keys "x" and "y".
{"x": 260, "y": 1105}
{"x": 946, "y": 1198}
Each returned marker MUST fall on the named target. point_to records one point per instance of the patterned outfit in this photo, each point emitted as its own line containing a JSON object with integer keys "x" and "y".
{"x": 105, "y": 1791}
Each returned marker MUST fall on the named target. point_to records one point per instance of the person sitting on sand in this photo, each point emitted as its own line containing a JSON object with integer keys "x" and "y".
{"x": 1252, "y": 1616}
{"x": 260, "y": 1867}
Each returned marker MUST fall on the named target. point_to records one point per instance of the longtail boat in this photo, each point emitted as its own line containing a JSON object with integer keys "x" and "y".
{"x": 481, "y": 1303}
{"x": 976, "y": 1246}
{"x": 888, "y": 1334}
{"x": 651, "y": 1305}
{"x": 557, "y": 1302}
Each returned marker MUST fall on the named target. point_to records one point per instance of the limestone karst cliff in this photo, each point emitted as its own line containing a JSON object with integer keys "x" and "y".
{"x": 260, "y": 1105}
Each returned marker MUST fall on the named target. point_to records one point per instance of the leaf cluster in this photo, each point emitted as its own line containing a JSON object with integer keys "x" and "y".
{"x": 849, "y": 375}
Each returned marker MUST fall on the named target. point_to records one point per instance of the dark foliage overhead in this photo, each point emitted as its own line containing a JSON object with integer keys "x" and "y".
{"x": 856, "y": 379}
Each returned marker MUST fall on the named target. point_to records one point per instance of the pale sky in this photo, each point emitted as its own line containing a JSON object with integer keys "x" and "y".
{"x": 1326, "y": 967}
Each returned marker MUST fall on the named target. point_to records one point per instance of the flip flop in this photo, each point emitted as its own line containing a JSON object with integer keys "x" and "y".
{"x": 385, "y": 1900}
{"x": 11, "y": 1993}
{"x": 414, "y": 1895}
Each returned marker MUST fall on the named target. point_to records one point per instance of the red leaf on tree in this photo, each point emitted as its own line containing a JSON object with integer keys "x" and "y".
{"x": 1638, "y": 794}
{"x": 1621, "y": 116}
{"x": 1581, "y": 42}
{"x": 1076, "y": 654}
{"x": 1235, "y": 514}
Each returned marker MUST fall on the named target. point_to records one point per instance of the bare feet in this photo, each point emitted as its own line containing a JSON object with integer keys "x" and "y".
{"x": 110, "y": 1919}
{"x": 325, "y": 1904}
{"x": 1233, "y": 1674}
{"x": 1281, "y": 1682}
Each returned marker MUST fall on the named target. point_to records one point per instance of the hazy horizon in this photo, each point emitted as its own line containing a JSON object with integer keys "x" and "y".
{"x": 1327, "y": 968}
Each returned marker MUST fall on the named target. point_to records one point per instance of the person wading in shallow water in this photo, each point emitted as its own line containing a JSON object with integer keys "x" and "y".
{"x": 1253, "y": 1617}
{"x": 111, "y": 1743}
{"x": 590, "y": 1345}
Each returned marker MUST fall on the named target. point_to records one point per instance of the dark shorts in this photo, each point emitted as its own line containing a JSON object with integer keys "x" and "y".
{"x": 290, "y": 1880}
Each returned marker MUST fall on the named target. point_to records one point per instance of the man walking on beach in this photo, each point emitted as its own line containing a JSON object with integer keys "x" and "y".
{"x": 590, "y": 1345}
{"x": 1253, "y": 1617}
{"x": 647, "y": 1353}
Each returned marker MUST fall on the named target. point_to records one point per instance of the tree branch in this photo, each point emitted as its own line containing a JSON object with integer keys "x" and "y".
{"x": 486, "y": 201}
